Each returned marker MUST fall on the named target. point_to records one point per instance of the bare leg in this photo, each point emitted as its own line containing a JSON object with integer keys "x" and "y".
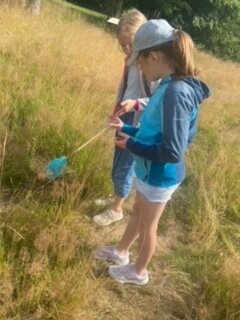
{"x": 117, "y": 204}
{"x": 150, "y": 215}
{"x": 131, "y": 231}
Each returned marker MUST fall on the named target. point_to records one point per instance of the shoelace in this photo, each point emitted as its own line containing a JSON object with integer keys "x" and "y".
{"x": 129, "y": 273}
{"x": 125, "y": 270}
{"x": 110, "y": 253}
{"x": 114, "y": 254}
{"x": 108, "y": 215}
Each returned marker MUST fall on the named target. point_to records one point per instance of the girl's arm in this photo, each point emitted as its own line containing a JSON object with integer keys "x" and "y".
{"x": 116, "y": 123}
{"x": 136, "y": 104}
{"x": 129, "y": 130}
{"x": 177, "y": 110}
{"x": 130, "y": 105}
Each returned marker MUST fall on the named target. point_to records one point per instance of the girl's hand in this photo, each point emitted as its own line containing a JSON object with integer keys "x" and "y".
{"x": 121, "y": 141}
{"x": 124, "y": 107}
{"x": 115, "y": 123}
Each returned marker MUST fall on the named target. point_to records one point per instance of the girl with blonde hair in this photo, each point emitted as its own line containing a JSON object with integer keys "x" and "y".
{"x": 132, "y": 92}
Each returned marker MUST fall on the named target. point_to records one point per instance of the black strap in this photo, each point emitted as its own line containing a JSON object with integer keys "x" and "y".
{"x": 146, "y": 86}
{"x": 125, "y": 83}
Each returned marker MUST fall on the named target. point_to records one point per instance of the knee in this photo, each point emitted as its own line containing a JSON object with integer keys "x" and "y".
{"x": 148, "y": 230}
{"x": 136, "y": 212}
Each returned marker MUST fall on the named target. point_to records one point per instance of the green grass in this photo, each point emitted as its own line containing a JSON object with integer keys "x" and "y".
{"x": 210, "y": 286}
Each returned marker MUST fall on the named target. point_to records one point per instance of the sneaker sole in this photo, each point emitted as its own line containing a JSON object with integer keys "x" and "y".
{"x": 122, "y": 281}
{"x": 133, "y": 282}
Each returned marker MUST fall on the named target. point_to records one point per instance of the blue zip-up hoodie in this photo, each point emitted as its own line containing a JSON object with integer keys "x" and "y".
{"x": 167, "y": 127}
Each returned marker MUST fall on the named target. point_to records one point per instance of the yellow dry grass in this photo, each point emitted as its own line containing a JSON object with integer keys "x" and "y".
{"x": 58, "y": 80}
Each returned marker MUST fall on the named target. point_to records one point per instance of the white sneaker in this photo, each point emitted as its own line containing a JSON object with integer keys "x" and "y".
{"x": 107, "y": 217}
{"x": 110, "y": 253}
{"x": 127, "y": 274}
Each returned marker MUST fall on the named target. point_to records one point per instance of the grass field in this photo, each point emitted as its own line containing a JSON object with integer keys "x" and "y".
{"x": 58, "y": 79}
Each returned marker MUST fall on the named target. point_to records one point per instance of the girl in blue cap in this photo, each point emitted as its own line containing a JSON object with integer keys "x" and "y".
{"x": 167, "y": 127}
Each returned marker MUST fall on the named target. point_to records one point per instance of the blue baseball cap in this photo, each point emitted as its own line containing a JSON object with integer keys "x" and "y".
{"x": 152, "y": 33}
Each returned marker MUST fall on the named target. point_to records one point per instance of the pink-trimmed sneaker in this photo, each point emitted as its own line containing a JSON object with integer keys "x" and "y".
{"x": 110, "y": 253}
{"x": 127, "y": 274}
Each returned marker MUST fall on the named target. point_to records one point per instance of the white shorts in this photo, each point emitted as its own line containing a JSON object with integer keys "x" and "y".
{"x": 154, "y": 194}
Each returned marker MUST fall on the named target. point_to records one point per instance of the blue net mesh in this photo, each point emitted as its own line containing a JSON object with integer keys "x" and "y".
{"x": 56, "y": 167}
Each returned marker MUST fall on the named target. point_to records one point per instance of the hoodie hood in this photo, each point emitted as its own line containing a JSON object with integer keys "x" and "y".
{"x": 200, "y": 88}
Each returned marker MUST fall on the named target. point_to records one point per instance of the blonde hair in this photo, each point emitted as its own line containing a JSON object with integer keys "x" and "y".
{"x": 130, "y": 22}
{"x": 179, "y": 52}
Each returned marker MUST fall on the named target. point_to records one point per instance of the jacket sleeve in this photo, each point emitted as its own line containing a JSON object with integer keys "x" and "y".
{"x": 142, "y": 103}
{"x": 130, "y": 130}
{"x": 176, "y": 118}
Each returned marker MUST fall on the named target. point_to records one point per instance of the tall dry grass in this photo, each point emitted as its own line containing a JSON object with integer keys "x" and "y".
{"x": 58, "y": 78}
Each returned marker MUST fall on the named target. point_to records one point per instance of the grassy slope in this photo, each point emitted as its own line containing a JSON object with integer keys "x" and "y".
{"x": 58, "y": 78}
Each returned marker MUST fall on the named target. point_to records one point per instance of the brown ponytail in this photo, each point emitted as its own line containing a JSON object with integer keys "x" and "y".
{"x": 182, "y": 54}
